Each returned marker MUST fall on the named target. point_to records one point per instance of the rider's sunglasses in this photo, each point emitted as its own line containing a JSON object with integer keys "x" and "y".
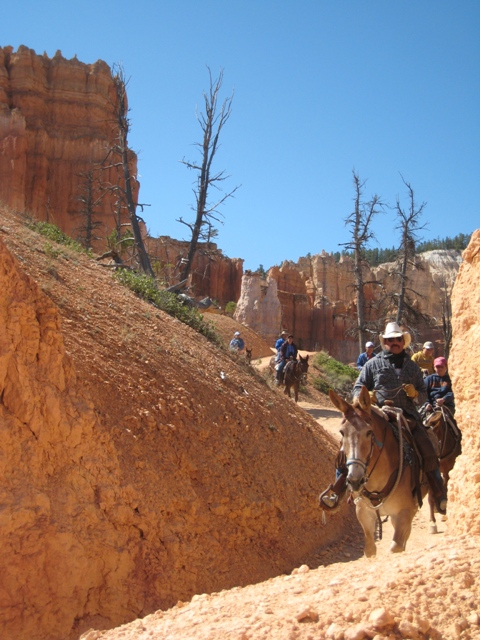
{"x": 393, "y": 339}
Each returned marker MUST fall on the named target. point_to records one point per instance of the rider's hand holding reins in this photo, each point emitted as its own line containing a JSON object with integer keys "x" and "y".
{"x": 410, "y": 390}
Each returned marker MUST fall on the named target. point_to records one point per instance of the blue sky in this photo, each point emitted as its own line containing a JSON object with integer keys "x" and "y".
{"x": 320, "y": 89}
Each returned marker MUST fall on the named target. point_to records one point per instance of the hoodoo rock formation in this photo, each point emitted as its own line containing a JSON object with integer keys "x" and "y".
{"x": 317, "y": 299}
{"x": 57, "y": 123}
{"x": 213, "y": 274}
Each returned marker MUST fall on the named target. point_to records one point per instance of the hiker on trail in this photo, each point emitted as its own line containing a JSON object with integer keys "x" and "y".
{"x": 237, "y": 343}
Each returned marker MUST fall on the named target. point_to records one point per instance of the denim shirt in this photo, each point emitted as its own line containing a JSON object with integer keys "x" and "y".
{"x": 380, "y": 375}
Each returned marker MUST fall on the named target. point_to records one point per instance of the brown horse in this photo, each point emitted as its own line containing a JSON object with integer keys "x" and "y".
{"x": 449, "y": 437}
{"x": 378, "y": 476}
{"x": 294, "y": 372}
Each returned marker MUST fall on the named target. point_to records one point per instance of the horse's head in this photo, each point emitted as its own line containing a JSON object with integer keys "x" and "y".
{"x": 357, "y": 435}
{"x": 248, "y": 355}
{"x": 303, "y": 366}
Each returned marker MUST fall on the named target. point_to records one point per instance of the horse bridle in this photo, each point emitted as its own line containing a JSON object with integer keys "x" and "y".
{"x": 364, "y": 465}
{"x": 364, "y": 493}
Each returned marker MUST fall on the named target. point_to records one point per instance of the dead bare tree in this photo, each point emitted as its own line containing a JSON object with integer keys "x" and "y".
{"x": 359, "y": 222}
{"x": 211, "y": 123}
{"x": 90, "y": 195}
{"x": 409, "y": 225}
{"x": 447, "y": 316}
{"x": 118, "y": 156}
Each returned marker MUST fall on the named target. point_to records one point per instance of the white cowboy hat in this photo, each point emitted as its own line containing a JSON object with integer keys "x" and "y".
{"x": 392, "y": 330}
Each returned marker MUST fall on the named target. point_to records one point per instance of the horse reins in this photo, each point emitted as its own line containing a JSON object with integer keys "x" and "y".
{"x": 363, "y": 495}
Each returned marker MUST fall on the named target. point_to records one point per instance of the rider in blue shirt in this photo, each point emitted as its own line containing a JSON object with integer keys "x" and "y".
{"x": 288, "y": 350}
{"x": 278, "y": 345}
{"x": 366, "y": 355}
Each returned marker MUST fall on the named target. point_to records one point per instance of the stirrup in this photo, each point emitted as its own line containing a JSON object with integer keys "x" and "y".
{"x": 441, "y": 504}
{"x": 328, "y": 499}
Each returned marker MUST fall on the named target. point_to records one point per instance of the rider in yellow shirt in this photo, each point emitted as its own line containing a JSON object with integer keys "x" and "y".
{"x": 424, "y": 358}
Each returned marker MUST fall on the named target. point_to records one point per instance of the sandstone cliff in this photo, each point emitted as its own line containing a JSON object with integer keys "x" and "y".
{"x": 317, "y": 300}
{"x": 465, "y": 370}
{"x": 57, "y": 122}
{"x": 213, "y": 274}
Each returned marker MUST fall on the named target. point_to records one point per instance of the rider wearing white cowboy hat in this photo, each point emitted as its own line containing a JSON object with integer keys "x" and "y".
{"x": 392, "y": 376}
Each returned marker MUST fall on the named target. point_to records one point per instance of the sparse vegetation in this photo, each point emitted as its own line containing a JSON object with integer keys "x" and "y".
{"x": 146, "y": 288}
{"x": 230, "y": 308}
{"x": 52, "y": 232}
{"x": 332, "y": 374}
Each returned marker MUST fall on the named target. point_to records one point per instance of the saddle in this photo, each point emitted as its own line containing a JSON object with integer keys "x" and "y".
{"x": 411, "y": 453}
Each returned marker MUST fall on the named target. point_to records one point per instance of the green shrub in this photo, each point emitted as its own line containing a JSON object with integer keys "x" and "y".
{"x": 146, "y": 288}
{"x": 333, "y": 374}
{"x": 230, "y": 308}
{"x": 52, "y": 232}
{"x": 321, "y": 385}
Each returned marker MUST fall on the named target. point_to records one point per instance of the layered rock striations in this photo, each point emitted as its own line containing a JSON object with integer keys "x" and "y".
{"x": 318, "y": 303}
{"x": 57, "y": 123}
{"x": 213, "y": 274}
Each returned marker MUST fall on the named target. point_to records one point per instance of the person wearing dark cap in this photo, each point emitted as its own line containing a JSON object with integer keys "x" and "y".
{"x": 366, "y": 355}
{"x": 424, "y": 358}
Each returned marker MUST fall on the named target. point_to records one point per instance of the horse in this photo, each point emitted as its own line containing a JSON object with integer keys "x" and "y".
{"x": 248, "y": 355}
{"x": 294, "y": 372}
{"x": 379, "y": 478}
{"x": 449, "y": 437}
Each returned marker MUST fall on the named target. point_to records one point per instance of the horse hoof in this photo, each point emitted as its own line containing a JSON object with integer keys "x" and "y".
{"x": 432, "y": 529}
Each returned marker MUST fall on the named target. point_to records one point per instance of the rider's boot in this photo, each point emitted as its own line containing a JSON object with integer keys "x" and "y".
{"x": 330, "y": 499}
{"x": 435, "y": 482}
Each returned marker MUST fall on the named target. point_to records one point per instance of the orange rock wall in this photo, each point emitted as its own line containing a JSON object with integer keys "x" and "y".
{"x": 213, "y": 274}
{"x": 464, "y": 366}
{"x": 133, "y": 474}
{"x": 60, "y": 476}
{"x": 317, "y": 299}
{"x": 56, "y": 119}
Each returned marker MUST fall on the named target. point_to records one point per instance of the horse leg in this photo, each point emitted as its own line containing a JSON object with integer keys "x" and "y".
{"x": 295, "y": 389}
{"x": 402, "y": 526}
{"x": 432, "y": 525}
{"x": 286, "y": 391}
{"x": 368, "y": 519}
